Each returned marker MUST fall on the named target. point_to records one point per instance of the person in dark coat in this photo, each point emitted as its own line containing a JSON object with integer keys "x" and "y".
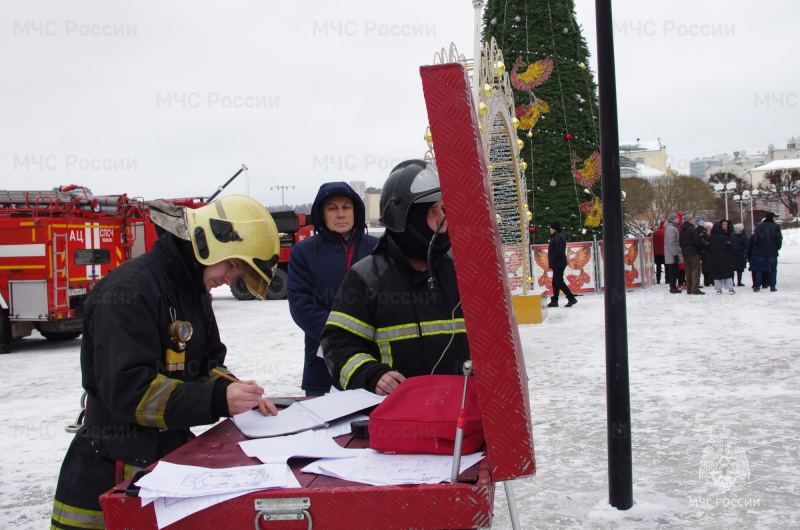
{"x": 704, "y": 261}
{"x": 557, "y": 259}
{"x": 719, "y": 253}
{"x": 769, "y": 239}
{"x": 316, "y": 268}
{"x": 150, "y": 347}
{"x": 691, "y": 247}
{"x": 658, "y": 251}
{"x": 739, "y": 243}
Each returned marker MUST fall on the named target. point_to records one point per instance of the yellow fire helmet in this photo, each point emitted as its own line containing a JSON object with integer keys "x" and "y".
{"x": 236, "y": 226}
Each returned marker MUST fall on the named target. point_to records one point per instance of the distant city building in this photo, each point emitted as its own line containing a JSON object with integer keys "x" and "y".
{"x": 698, "y": 166}
{"x": 649, "y": 153}
{"x": 737, "y": 165}
{"x": 792, "y": 151}
{"x": 359, "y": 186}
{"x": 372, "y": 202}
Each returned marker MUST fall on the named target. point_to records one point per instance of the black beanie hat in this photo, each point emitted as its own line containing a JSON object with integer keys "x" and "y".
{"x": 555, "y": 225}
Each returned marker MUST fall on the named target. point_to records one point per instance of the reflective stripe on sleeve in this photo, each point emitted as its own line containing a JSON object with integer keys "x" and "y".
{"x": 66, "y": 515}
{"x": 357, "y": 327}
{"x": 386, "y": 352}
{"x": 443, "y": 326}
{"x": 351, "y": 366}
{"x": 151, "y": 408}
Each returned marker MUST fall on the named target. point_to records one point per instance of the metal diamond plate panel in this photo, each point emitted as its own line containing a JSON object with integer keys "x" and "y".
{"x": 472, "y": 224}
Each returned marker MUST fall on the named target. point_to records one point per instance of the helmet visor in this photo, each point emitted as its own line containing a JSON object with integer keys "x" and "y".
{"x": 426, "y": 185}
{"x": 257, "y": 281}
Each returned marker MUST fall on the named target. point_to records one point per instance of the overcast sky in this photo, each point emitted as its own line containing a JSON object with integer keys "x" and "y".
{"x": 168, "y": 99}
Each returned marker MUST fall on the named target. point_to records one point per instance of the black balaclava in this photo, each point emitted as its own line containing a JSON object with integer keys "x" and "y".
{"x": 416, "y": 238}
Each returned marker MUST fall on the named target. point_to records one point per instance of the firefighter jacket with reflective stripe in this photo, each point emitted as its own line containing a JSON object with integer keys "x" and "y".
{"x": 385, "y": 317}
{"x": 125, "y": 340}
{"x": 139, "y": 408}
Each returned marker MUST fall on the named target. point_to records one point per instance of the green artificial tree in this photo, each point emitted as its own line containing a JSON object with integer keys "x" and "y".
{"x": 555, "y": 96}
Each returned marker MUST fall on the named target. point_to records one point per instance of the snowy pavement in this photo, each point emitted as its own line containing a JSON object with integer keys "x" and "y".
{"x": 714, "y": 407}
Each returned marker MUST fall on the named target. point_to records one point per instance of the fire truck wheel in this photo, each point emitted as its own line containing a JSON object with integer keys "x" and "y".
{"x": 239, "y": 289}
{"x": 277, "y": 287}
{"x": 60, "y": 335}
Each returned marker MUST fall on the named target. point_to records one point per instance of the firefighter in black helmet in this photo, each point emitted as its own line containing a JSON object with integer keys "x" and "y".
{"x": 150, "y": 343}
{"x": 398, "y": 311}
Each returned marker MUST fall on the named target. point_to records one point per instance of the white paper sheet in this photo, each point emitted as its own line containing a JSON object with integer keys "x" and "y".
{"x": 305, "y": 415}
{"x": 378, "y": 469}
{"x": 278, "y": 449}
{"x": 171, "y": 509}
{"x": 176, "y": 480}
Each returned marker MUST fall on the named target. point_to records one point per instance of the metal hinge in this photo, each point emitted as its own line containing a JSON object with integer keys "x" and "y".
{"x": 293, "y": 509}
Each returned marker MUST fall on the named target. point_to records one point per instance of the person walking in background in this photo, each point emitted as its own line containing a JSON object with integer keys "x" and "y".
{"x": 769, "y": 239}
{"x": 557, "y": 259}
{"x": 739, "y": 243}
{"x": 658, "y": 251}
{"x": 316, "y": 268}
{"x": 720, "y": 254}
{"x": 705, "y": 264}
{"x": 672, "y": 252}
{"x": 704, "y": 261}
{"x": 691, "y": 247}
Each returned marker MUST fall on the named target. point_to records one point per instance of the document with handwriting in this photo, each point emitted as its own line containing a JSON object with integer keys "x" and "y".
{"x": 305, "y": 415}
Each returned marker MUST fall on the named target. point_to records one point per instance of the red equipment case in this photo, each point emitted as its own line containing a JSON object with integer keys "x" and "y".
{"x": 325, "y": 502}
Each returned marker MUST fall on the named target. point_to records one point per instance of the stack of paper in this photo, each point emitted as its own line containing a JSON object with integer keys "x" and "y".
{"x": 378, "y": 469}
{"x": 305, "y": 415}
{"x": 178, "y": 491}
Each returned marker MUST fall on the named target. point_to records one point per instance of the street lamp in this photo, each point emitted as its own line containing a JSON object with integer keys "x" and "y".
{"x": 724, "y": 188}
{"x": 753, "y": 196}
{"x": 740, "y": 199}
{"x": 282, "y": 188}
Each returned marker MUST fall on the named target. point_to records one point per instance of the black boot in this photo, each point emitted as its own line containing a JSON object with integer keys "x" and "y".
{"x": 553, "y": 302}
{"x": 572, "y": 301}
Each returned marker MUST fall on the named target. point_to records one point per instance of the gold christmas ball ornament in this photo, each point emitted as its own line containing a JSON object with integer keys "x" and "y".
{"x": 530, "y": 280}
{"x": 490, "y": 168}
{"x": 487, "y": 90}
{"x": 427, "y": 136}
{"x": 498, "y": 217}
{"x": 523, "y": 166}
{"x": 482, "y": 109}
{"x": 499, "y": 68}
{"x": 525, "y": 206}
{"x": 582, "y": 65}
{"x": 520, "y": 143}
{"x": 530, "y": 134}
{"x": 529, "y": 215}
{"x": 515, "y": 123}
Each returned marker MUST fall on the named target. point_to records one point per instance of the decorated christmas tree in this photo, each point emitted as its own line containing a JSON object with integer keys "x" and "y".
{"x": 556, "y": 104}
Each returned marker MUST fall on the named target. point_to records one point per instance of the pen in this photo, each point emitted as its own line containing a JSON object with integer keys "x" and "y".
{"x": 225, "y": 376}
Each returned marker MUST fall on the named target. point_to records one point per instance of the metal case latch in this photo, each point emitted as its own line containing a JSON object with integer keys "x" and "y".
{"x": 294, "y": 509}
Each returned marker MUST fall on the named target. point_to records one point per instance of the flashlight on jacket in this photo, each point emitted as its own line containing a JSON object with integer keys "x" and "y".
{"x": 180, "y": 331}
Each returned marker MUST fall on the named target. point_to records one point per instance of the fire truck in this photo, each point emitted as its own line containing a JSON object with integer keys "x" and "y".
{"x": 55, "y": 246}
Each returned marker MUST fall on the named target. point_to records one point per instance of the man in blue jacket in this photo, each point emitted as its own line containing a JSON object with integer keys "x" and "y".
{"x": 767, "y": 236}
{"x": 318, "y": 265}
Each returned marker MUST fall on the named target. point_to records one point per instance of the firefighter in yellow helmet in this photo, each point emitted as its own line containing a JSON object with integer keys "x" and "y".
{"x": 150, "y": 343}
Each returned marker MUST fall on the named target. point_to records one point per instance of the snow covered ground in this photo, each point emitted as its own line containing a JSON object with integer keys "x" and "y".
{"x": 714, "y": 382}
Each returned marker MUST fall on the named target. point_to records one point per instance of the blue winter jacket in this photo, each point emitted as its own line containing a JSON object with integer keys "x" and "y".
{"x": 316, "y": 269}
